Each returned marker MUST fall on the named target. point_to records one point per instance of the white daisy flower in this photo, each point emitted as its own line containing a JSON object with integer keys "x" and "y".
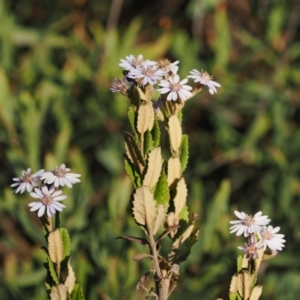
{"x": 205, "y": 79}
{"x": 48, "y": 201}
{"x": 60, "y": 177}
{"x": 146, "y": 74}
{"x": 248, "y": 224}
{"x": 271, "y": 238}
{"x": 27, "y": 181}
{"x": 131, "y": 63}
{"x": 175, "y": 88}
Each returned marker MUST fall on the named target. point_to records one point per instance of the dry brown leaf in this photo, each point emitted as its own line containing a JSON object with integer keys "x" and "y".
{"x": 160, "y": 218}
{"x": 145, "y": 119}
{"x": 71, "y": 279}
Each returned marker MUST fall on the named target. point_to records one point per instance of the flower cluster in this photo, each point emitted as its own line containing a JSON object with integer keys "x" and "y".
{"x": 162, "y": 73}
{"x": 45, "y": 187}
{"x": 260, "y": 235}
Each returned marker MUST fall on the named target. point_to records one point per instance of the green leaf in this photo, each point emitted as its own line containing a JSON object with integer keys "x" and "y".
{"x": 66, "y": 241}
{"x": 149, "y": 145}
{"x": 132, "y": 121}
{"x": 184, "y": 214}
{"x": 184, "y": 151}
{"x": 156, "y": 133}
{"x": 77, "y": 293}
{"x": 162, "y": 193}
{"x": 51, "y": 270}
{"x": 131, "y": 172}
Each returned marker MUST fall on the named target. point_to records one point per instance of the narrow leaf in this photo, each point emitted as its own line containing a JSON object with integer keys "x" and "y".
{"x": 134, "y": 239}
{"x": 145, "y": 119}
{"x": 167, "y": 231}
{"x": 59, "y": 292}
{"x": 234, "y": 284}
{"x": 256, "y": 292}
{"x": 162, "y": 192}
{"x": 140, "y": 256}
{"x": 66, "y": 241}
{"x": 56, "y": 249}
{"x": 156, "y": 133}
{"x": 174, "y": 170}
{"x": 184, "y": 151}
{"x": 144, "y": 209}
{"x": 175, "y": 133}
{"x": 70, "y": 281}
{"x": 132, "y": 172}
{"x": 154, "y": 165}
{"x": 160, "y": 218}
{"x": 77, "y": 293}
{"x": 148, "y": 142}
{"x": 181, "y": 197}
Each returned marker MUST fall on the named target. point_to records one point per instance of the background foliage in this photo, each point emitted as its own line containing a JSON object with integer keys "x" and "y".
{"x": 57, "y": 62}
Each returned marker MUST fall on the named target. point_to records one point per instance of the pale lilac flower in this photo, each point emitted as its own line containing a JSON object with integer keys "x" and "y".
{"x": 175, "y": 88}
{"x": 27, "y": 181}
{"x": 131, "y": 63}
{"x": 251, "y": 248}
{"x": 248, "y": 224}
{"x": 120, "y": 86}
{"x": 48, "y": 201}
{"x": 271, "y": 238}
{"x": 205, "y": 79}
{"x": 146, "y": 74}
{"x": 61, "y": 177}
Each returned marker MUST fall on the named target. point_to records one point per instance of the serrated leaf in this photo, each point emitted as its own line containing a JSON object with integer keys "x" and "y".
{"x": 172, "y": 221}
{"x": 181, "y": 197}
{"x": 148, "y": 142}
{"x": 145, "y": 120}
{"x": 184, "y": 214}
{"x": 131, "y": 117}
{"x": 160, "y": 218}
{"x": 144, "y": 207}
{"x": 77, "y": 293}
{"x": 175, "y": 133}
{"x": 234, "y": 284}
{"x": 49, "y": 265}
{"x": 134, "y": 239}
{"x": 70, "y": 281}
{"x": 55, "y": 246}
{"x": 66, "y": 241}
{"x": 233, "y": 296}
{"x": 58, "y": 292}
{"x": 256, "y": 292}
{"x": 154, "y": 165}
{"x": 174, "y": 170}
{"x": 245, "y": 281}
{"x": 140, "y": 256}
{"x": 184, "y": 151}
{"x": 156, "y": 133}
{"x": 162, "y": 192}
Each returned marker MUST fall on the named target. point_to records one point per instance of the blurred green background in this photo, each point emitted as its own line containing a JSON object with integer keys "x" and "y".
{"x": 57, "y": 61}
